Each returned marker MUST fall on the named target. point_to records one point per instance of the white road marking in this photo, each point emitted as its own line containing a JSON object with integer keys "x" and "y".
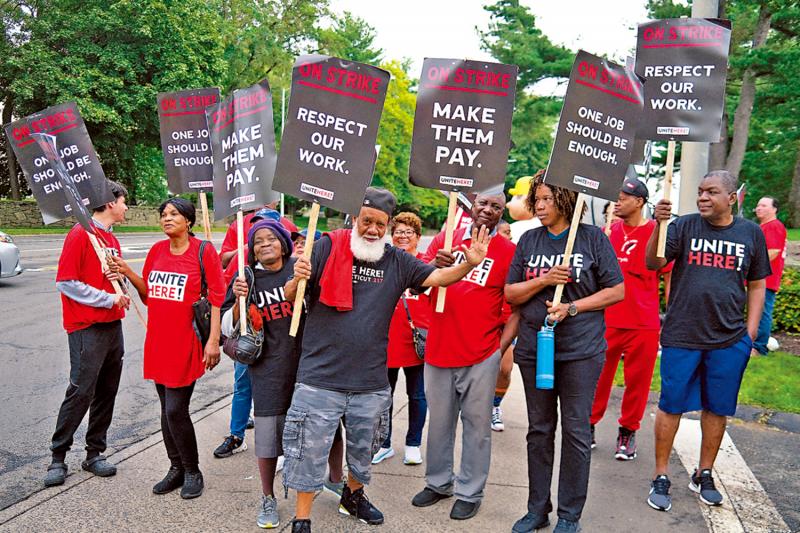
{"x": 746, "y": 507}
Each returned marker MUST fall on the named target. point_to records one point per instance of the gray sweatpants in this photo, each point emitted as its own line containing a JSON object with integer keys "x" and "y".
{"x": 467, "y": 390}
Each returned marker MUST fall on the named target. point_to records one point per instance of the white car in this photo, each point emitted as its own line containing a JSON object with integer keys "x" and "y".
{"x": 9, "y": 257}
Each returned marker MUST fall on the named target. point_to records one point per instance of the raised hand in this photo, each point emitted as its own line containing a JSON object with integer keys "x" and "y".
{"x": 478, "y": 247}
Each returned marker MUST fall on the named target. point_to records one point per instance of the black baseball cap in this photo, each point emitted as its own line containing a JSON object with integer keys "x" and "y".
{"x": 635, "y": 187}
{"x": 380, "y": 199}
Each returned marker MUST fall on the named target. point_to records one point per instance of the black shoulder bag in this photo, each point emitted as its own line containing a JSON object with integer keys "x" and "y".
{"x": 202, "y": 307}
{"x": 419, "y": 335}
{"x": 245, "y": 349}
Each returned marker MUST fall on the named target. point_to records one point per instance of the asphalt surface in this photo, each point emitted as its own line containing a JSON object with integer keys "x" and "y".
{"x": 34, "y": 368}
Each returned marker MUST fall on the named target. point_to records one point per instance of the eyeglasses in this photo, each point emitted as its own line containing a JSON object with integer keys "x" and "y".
{"x": 407, "y": 233}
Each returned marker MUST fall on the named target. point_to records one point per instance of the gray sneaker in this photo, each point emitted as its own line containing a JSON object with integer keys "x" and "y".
{"x": 334, "y": 488}
{"x": 659, "y": 498}
{"x": 268, "y": 516}
{"x": 703, "y": 484}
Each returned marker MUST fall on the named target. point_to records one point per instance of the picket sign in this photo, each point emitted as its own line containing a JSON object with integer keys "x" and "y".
{"x": 301, "y": 285}
{"x": 448, "y": 242}
{"x": 99, "y": 249}
{"x": 662, "y": 229}
{"x": 573, "y": 230}
{"x": 205, "y": 216}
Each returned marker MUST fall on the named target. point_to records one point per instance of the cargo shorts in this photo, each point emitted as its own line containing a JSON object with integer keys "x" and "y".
{"x": 311, "y": 423}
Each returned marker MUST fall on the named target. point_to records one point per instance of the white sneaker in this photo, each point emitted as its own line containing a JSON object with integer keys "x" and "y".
{"x": 383, "y": 453}
{"x": 279, "y": 466}
{"x": 497, "y": 419}
{"x": 413, "y": 456}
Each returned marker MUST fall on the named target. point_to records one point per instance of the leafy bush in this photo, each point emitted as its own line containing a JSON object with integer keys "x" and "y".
{"x": 786, "y": 315}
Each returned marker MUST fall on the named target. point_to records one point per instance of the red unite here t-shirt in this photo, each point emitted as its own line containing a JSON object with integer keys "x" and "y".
{"x": 639, "y": 309}
{"x": 775, "y": 235}
{"x": 173, "y": 356}
{"x": 468, "y": 331}
{"x": 400, "y": 351}
{"x": 79, "y": 262}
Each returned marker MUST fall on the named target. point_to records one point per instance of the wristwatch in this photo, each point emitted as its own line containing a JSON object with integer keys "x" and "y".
{"x": 572, "y": 310}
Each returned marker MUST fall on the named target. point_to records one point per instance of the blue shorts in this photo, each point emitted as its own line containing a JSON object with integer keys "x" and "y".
{"x": 703, "y": 379}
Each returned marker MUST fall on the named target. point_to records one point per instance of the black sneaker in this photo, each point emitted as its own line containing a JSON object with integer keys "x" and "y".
{"x": 231, "y": 445}
{"x": 356, "y": 504}
{"x": 659, "y": 498}
{"x": 626, "y": 445}
{"x": 464, "y": 510}
{"x": 192, "y": 485}
{"x": 594, "y": 442}
{"x": 172, "y": 481}
{"x": 301, "y": 526}
{"x": 530, "y": 522}
{"x": 703, "y": 484}
{"x": 251, "y": 423}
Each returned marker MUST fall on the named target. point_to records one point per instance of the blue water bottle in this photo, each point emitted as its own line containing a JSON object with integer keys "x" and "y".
{"x": 545, "y": 356}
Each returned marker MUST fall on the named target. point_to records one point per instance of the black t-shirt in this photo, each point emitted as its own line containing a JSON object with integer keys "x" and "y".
{"x": 346, "y": 351}
{"x": 707, "y": 295}
{"x": 594, "y": 267}
{"x": 273, "y": 375}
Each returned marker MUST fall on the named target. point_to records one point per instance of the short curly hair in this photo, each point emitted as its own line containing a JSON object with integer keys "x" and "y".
{"x": 563, "y": 199}
{"x": 409, "y": 219}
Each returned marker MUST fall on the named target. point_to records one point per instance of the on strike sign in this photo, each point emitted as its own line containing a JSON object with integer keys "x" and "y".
{"x": 328, "y": 146}
{"x": 74, "y": 148}
{"x": 597, "y": 127}
{"x": 243, "y": 145}
{"x": 462, "y": 125}
{"x": 185, "y": 139}
{"x": 685, "y": 65}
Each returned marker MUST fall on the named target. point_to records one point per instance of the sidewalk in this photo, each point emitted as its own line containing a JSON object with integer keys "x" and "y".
{"x": 616, "y": 502}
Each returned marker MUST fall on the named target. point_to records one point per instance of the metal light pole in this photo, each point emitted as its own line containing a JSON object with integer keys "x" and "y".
{"x": 694, "y": 155}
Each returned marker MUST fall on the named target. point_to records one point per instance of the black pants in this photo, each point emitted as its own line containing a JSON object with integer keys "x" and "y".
{"x": 95, "y": 359}
{"x": 575, "y": 382}
{"x": 177, "y": 427}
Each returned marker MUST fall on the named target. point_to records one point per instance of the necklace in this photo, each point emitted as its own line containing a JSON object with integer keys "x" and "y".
{"x": 628, "y": 235}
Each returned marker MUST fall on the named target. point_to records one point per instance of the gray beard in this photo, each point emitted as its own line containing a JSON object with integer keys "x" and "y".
{"x": 366, "y": 251}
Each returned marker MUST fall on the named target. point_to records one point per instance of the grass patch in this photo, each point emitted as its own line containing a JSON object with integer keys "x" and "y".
{"x": 793, "y": 234}
{"x": 770, "y": 382}
{"x": 302, "y": 223}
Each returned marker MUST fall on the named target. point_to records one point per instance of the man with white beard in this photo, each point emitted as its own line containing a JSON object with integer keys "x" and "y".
{"x": 354, "y": 281}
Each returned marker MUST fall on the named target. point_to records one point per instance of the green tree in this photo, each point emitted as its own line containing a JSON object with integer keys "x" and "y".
{"x": 350, "y": 37}
{"x": 512, "y": 37}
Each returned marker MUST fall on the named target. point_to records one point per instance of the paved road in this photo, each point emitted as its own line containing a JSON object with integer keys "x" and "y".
{"x": 35, "y": 368}
{"x": 34, "y": 363}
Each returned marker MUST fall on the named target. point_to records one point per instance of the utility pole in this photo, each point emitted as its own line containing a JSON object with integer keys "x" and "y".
{"x": 694, "y": 155}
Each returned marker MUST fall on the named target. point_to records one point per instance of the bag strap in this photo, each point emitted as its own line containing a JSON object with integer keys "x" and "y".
{"x": 203, "y": 286}
{"x": 408, "y": 314}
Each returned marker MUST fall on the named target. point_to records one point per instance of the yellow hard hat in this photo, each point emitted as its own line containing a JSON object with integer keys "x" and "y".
{"x": 522, "y": 187}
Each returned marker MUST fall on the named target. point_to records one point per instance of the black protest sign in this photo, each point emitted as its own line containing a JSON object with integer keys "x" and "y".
{"x": 185, "y": 139}
{"x": 328, "y": 145}
{"x": 598, "y": 124}
{"x": 75, "y": 149}
{"x": 243, "y": 145}
{"x": 685, "y": 65}
{"x": 462, "y": 125}
{"x": 77, "y": 208}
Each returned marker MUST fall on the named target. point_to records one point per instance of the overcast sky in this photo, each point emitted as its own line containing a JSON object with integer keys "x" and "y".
{"x": 416, "y": 29}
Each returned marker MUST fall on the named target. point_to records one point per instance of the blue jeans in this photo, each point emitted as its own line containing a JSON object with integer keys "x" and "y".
{"x": 242, "y": 400}
{"x": 417, "y": 405}
{"x": 764, "y": 327}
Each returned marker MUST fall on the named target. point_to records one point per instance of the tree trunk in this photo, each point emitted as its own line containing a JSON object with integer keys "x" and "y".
{"x": 794, "y": 195}
{"x": 747, "y": 96}
{"x": 10, "y": 157}
{"x": 718, "y": 151}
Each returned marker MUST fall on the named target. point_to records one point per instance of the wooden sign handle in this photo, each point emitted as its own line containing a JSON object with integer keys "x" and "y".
{"x": 301, "y": 285}
{"x": 240, "y": 259}
{"x": 573, "y": 231}
{"x": 662, "y": 228}
{"x": 448, "y": 242}
{"x": 205, "y": 216}
{"x": 100, "y": 250}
